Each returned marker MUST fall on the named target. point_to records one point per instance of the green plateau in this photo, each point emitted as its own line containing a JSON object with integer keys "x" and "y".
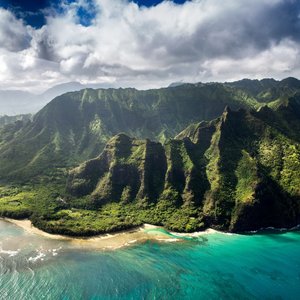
{"x": 189, "y": 157}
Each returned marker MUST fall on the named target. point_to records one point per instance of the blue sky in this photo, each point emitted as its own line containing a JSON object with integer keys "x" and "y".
{"x": 149, "y": 45}
{"x": 33, "y": 12}
{"x": 155, "y": 2}
{"x": 30, "y": 11}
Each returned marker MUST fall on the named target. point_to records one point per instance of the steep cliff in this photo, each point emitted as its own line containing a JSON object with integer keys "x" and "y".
{"x": 239, "y": 172}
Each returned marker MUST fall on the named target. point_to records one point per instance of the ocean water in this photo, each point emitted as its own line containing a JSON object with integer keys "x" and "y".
{"x": 212, "y": 266}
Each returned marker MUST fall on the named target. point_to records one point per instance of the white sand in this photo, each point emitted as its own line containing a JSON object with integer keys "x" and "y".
{"x": 112, "y": 240}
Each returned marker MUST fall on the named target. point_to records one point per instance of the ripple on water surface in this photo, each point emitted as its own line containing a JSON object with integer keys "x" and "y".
{"x": 211, "y": 266}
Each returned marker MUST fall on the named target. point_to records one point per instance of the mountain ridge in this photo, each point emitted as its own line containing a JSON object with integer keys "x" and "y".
{"x": 213, "y": 170}
{"x": 100, "y": 114}
{"x": 19, "y": 102}
{"x": 235, "y": 168}
{"x": 74, "y": 126}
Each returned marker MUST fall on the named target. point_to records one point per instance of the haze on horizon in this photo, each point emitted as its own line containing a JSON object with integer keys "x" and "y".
{"x": 146, "y": 44}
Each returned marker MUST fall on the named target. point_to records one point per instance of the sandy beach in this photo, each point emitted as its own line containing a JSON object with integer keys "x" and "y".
{"x": 114, "y": 240}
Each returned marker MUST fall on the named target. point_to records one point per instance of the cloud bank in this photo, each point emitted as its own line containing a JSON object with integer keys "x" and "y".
{"x": 143, "y": 47}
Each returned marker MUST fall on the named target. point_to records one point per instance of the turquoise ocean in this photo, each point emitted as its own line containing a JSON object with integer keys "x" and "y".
{"x": 212, "y": 266}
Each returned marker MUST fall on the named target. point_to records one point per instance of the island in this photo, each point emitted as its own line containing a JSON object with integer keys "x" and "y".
{"x": 187, "y": 158}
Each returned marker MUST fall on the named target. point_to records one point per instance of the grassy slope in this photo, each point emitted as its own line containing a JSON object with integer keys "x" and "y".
{"x": 228, "y": 173}
{"x": 76, "y": 126}
{"x": 235, "y": 173}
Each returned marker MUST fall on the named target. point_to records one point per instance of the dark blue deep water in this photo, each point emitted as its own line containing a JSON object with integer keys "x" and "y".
{"x": 213, "y": 266}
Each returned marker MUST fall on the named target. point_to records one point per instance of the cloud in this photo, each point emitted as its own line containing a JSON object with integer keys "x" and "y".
{"x": 13, "y": 34}
{"x": 200, "y": 40}
{"x": 280, "y": 60}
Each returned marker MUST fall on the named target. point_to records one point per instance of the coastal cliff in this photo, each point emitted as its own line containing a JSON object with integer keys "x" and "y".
{"x": 236, "y": 173}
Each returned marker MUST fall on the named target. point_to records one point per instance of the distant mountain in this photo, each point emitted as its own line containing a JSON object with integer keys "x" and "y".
{"x": 6, "y": 120}
{"x": 264, "y": 91}
{"x": 175, "y": 84}
{"x": 16, "y": 102}
{"x": 74, "y": 126}
{"x": 267, "y": 90}
{"x": 61, "y": 89}
{"x": 254, "y": 86}
{"x": 19, "y": 102}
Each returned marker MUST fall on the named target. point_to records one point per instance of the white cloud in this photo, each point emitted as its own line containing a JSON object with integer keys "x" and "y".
{"x": 14, "y": 35}
{"x": 201, "y": 40}
{"x": 281, "y": 60}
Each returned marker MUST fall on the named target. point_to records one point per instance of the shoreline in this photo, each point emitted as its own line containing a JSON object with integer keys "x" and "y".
{"x": 116, "y": 240}
{"x": 146, "y": 232}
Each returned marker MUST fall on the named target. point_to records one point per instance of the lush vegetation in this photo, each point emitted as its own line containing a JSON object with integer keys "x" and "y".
{"x": 240, "y": 171}
{"x": 76, "y": 126}
{"x": 234, "y": 173}
{"x": 30, "y": 200}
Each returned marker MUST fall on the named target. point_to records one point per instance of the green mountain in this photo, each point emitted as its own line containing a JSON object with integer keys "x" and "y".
{"x": 76, "y": 126}
{"x": 234, "y": 169}
{"x": 268, "y": 90}
{"x": 239, "y": 172}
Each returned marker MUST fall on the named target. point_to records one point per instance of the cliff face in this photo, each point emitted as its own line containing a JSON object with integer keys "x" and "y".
{"x": 76, "y": 126}
{"x": 239, "y": 172}
{"x": 128, "y": 169}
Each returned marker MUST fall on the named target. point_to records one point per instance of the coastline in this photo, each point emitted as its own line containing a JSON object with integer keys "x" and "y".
{"x": 116, "y": 240}
{"x": 113, "y": 241}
